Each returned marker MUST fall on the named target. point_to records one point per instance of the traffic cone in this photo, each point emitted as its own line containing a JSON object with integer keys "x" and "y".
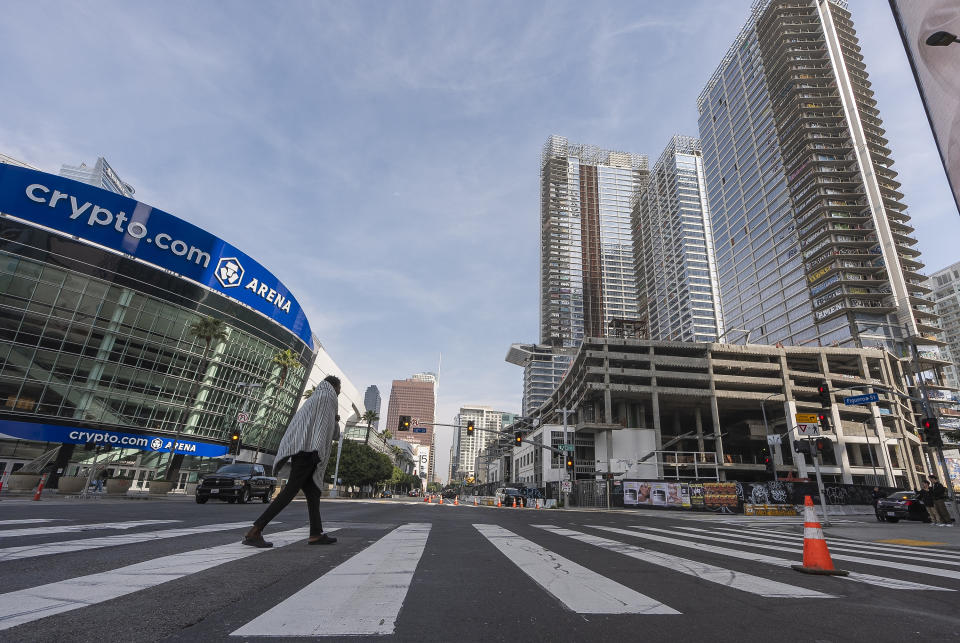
{"x": 514, "y": 503}
{"x": 43, "y": 480}
{"x": 816, "y": 556}
{"x": 441, "y": 500}
{"x": 456, "y": 501}
{"x": 498, "y": 501}
{"x": 474, "y": 499}
{"x": 429, "y": 500}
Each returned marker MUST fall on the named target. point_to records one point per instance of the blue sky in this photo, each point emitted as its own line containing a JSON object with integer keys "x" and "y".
{"x": 381, "y": 158}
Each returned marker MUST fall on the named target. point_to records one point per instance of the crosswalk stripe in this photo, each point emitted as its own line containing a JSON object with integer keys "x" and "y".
{"x": 704, "y": 571}
{"x": 912, "y": 549}
{"x": 880, "y": 581}
{"x": 27, "y": 605}
{"x": 34, "y": 531}
{"x": 837, "y": 544}
{"x": 361, "y": 596}
{"x": 26, "y": 521}
{"x": 580, "y": 589}
{"x": 66, "y": 546}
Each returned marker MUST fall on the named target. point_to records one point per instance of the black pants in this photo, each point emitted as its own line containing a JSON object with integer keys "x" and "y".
{"x": 302, "y": 466}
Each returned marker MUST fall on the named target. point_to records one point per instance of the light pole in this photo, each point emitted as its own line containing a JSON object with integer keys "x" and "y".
{"x": 766, "y": 431}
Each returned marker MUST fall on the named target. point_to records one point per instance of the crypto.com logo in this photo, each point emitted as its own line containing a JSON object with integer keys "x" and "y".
{"x": 229, "y": 272}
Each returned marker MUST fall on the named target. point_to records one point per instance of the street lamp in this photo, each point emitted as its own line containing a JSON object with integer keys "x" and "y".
{"x": 941, "y": 39}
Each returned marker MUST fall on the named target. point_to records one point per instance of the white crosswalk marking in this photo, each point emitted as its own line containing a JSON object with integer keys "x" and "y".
{"x": 704, "y": 571}
{"x": 65, "y": 546}
{"x": 580, "y": 589}
{"x": 889, "y": 583}
{"x": 27, "y": 605}
{"x": 27, "y": 521}
{"x": 910, "y": 549}
{"x": 362, "y": 596}
{"x": 59, "y": 529}
{"x": 931, "y": 571}
{"x": 841, "y": 546}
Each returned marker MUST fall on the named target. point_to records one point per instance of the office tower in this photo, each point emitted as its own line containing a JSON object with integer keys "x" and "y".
{"x": 371, "y": 402}
{"x": 945, "y": 284}
{"x": 812, "y": 239}
{"x": 414, "y": 398}
{"x": 587, "y": 279}
{"x": 673, "y": 244}
{"x": 487, "y": 423}
{"x": 101, "y": 175}
{"x": 543, "y": 368}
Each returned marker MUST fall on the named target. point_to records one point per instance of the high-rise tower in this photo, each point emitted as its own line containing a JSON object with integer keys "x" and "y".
{"x": 812, "y": 238}
{"x": 673, "y": 242}
{"x": 371, "y": 402}
{"x": 414, "y": 397}
{"x": 100, "y": 175}
{"x": 587, "y": 279}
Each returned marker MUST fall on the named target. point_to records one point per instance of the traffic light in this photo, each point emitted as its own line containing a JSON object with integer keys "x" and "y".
{"x": 404, "y": 423}
{"x": 801, "y": 446}
{"x": 470, "y": 427}
{"x": 569, "y": 463}
{"x": 824, "y": 419}
{"x": 235, "y": 442}
{"x": 826, "y": 401}
{"x": 768, "y": 463}
{"x": 821, "y": 444}
{"x": 931, "y": 430}
{"x": 518, "y": 438}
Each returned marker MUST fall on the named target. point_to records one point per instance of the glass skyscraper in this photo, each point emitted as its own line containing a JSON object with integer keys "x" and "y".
{"x": 101, "y": 175}
{"x": 812, "y": 237}
{"x": 673, "y": 240}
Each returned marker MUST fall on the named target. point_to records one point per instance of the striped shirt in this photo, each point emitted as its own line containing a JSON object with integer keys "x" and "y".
{"x": 312, "y": 429}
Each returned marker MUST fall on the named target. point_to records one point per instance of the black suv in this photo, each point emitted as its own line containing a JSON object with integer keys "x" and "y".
{"x": 237, "y": 483}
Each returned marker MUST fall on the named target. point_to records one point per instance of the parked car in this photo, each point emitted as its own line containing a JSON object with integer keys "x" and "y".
{"x": 236, "y": 483}
{"x": 413, "y": 492}
{"x": 449, "y": 493}
{"x": 507, "y": 495}
{"x": 901, "y": 505}
{"x": 386, "y": 494}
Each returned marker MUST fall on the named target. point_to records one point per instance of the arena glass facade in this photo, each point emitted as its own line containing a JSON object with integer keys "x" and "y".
{"x": 96, "y": 348}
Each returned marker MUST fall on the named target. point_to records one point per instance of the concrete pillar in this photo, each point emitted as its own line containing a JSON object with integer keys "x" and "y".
{"x": 839, "y": 446}
{"x": 698, "y": 418}
{"x": 715, "y": 414}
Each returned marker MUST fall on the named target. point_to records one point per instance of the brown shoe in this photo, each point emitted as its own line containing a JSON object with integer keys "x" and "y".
{"x": 254, "y": 538}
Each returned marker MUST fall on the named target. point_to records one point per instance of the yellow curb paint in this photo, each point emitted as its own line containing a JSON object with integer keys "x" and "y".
{"x": 907, "y": 541}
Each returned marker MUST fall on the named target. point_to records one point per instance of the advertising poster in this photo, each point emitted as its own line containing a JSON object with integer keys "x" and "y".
{"x": 677, "y": 494}
{"x": 636, "y": 493}
{"x": 696, "y": 495}
{"x": 720, "y": 494}
{"x": 953, "y": 470}
{"x": 658, "y": 492}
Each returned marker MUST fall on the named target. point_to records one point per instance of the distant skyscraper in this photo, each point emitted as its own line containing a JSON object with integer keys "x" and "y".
{"x": 673, "y": 242}
{"x": 414, "y": 398}
{"x": 543, "y": 368}
{"x": 371, "y": 402}
{"x": 100, "y": 175}
{"x": 468, "y": 446}
{"x": 812, "y": 239}
{"x": 946, "y": 293}
{"x": 587, "y": 279}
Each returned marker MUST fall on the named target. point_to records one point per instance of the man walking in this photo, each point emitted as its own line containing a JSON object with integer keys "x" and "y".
{"x": 306, "y": 444}
{"x": 939, "y": 499}
{"x": 926, "y": 497}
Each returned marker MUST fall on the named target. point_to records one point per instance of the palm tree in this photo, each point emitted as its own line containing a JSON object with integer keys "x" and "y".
{"x": 286, "y": 360}
{"x": 210, "y": 330}
{"x": 370, "y": 417}
{"x": 310, "y": 391}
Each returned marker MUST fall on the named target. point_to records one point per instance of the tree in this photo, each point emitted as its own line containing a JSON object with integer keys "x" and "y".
{"x": 370, "y": 417}
{"x": 361, "y": 465}
{"x": 310, "y": 391}
{"x": 211, "y": 330}
{"x": 286, "y": 360}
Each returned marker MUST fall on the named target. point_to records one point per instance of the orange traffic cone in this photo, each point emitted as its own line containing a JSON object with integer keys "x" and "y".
{"x": 441, "y": 500}
{"x": 816, "y": 556}
{"x": 474, "y": 501}
{"x": 456, "y": 501}
{"x": 514, "y": 503}
{"x": 498, "y": 501}
{"x": 43, "y": 480}
{"x": 429, "y": 500}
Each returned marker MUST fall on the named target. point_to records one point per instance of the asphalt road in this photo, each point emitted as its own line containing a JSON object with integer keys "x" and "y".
{"x": 403, "y": 570}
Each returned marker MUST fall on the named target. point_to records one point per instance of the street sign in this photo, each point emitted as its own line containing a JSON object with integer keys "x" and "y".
{"x": 419, "y": 429}
{"x": 861, "y": 399}
{"x": 243, "y": 417}
{"x": 808, "y": 428}
{"x": 566, "y": 486}
{"x": 566, "y": 447}
{"x": 807, "y": 417}
{"x": 774, "y": 439}
{"x": 416, "y": 421}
